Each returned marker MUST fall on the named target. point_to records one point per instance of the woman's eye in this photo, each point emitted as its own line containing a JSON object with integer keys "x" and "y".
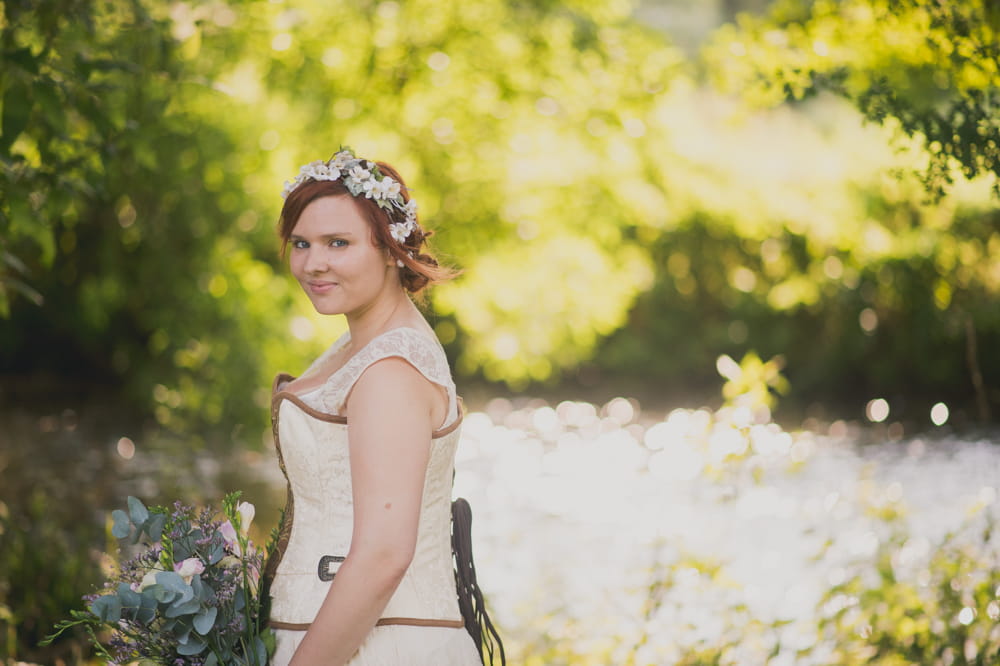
{"x": 300, "y": 244}
{"x": 338, "y": 242}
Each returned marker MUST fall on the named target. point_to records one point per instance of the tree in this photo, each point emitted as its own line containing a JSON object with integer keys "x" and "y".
{"x": 927, "y": 67}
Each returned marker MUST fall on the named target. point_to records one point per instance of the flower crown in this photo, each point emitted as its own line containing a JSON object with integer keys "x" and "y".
{"x": 362, "y": 177}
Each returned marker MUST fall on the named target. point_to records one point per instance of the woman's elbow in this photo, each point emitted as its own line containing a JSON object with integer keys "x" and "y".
{"x": 388, "y": 559}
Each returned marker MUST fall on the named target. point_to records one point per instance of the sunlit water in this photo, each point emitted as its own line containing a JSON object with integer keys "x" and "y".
{"x": 581, "y": 510}
{"x": 578, "y": 510}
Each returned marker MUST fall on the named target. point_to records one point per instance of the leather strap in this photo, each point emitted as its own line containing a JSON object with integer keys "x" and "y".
{"x": 409, "y": 621}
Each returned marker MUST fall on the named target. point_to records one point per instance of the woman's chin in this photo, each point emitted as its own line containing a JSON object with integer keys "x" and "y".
{"x": 325, "y": 307}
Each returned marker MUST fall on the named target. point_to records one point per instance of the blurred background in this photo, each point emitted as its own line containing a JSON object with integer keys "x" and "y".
{"x": 727, "y": 328}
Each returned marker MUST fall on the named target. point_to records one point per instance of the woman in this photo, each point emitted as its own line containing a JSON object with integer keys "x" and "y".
{"x": 366, "y": 438}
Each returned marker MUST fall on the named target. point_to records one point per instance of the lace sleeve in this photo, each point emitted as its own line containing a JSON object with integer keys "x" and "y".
{"x": 418, "y": 349}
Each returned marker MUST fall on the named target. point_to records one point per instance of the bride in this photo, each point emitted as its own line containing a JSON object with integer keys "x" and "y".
{"x": 366, "y": 437}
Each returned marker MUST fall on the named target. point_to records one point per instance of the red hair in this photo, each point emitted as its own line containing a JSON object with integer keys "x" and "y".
{"x": 419, "y": 269}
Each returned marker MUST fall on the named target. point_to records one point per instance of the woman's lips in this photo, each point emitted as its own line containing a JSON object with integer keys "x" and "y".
{"x": 319, "y": 287}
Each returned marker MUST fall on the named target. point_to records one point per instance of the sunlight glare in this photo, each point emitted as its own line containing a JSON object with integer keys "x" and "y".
{"x": 126, "y": 448}
{"x": 877, "y": 410}
{"x": 302, "y": 328}
{"x": 939, "y": 414}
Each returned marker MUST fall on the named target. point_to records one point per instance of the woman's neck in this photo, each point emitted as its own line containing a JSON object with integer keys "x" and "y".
{"x": 384, "y": 314}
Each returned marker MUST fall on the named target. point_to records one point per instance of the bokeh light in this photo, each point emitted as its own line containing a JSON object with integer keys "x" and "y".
{"x": 877, "y": 410}
{"x": 939, "y": 414}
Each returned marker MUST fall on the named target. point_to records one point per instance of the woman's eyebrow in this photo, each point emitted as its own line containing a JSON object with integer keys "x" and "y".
{"x": 338, "y": 234}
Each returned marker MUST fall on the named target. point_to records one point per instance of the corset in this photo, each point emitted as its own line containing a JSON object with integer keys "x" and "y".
{"x": 316, "y": 530}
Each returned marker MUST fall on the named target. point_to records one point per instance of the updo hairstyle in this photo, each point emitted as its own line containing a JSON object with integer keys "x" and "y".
{"x": 418, "y": 271}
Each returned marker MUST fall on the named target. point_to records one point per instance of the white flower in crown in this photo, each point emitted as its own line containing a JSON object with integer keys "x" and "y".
{"x": 359, "y": 173}
{"x": 341, "y": 159}
{"x": 390, "y": 188}
{"x": 400, "y": 232}
{"x": 362, "y": 177}
{"x": 386, "y": 191}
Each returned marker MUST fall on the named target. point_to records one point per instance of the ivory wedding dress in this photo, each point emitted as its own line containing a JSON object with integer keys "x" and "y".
{"x": 421, "y": 625}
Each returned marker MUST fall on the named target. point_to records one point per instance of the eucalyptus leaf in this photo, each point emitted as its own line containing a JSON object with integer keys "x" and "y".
{"x": 182, "y": 550}
{"x": 194, "y": 646}
{"x": 172, "y": 581}
{"x": 155, "y": 524}
{"x": 107, "y": 608}
{"x": 182, "y": 629}
{"x": 131, "y": 601}
{"x": 211, "y": 660}
{"x": 205, "y": 620}
{"x": 202, "y": 590}
{"x": 147, "y": 609}
{"x": 182, "y": 607}
{"x": 121, "y": 526}
{"x": 137, "y": 511}
{"x": 162, "y": 594}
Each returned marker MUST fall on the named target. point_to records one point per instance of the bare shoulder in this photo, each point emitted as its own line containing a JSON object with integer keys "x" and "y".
{"x": 392, "y": 374}
{"x": 393, "y": 386}
{"x": 391, "y": 382}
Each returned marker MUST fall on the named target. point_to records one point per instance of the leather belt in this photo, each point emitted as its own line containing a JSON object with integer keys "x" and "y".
{"x": 408, "y": 621}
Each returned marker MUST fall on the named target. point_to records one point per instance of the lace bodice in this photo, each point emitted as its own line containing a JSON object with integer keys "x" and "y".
{"x": 312, "y": 441}
{"x": 416, "y": 348}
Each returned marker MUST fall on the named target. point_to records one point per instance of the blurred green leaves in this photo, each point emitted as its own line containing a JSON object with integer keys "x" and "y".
{"x": 929, "y": 69}
{"x": 609, "y": 200}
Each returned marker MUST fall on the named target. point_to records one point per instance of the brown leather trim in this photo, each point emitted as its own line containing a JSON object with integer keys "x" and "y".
{"x": 315, "y": 413}
{"x": 290, "y": 626}
{"x": 280, "y": 378}
{"x": 419, "y": 622}
{"x": 438, "y": 434}
{"x": 277, "y": 397}
{"x": 408, "y": 621}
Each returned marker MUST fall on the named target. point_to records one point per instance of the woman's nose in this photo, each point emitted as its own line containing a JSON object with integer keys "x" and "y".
{"x": 315, "y": 260}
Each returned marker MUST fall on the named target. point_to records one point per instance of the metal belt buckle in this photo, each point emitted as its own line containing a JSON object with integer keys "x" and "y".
{"x": 324, "y": 566}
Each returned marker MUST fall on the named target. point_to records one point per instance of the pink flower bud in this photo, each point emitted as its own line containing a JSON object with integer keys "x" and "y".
{"x": 189, "y": 568}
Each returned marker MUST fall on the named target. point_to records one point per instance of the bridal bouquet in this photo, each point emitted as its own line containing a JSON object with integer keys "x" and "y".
{"x": 190, "y": 597}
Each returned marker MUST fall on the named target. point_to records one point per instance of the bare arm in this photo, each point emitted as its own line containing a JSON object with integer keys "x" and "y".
{"x": 389, "y": 419}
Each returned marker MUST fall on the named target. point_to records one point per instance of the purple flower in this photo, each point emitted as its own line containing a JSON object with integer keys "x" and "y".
{"x": 228, "y": 533}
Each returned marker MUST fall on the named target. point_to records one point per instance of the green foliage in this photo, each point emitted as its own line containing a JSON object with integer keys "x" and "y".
{"x": 904, "y": 608}
{"x": 43, "y": 559}
{"x": 929, "y": 68}
{"x": 752, "y": 382}
{"x": 113, "y": 206}
{"x": 192, "y": 591}
{"x": 48, "y": 533}
{"x": 602, "y": 202}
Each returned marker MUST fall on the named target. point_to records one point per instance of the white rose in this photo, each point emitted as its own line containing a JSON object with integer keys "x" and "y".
{"x": 147, "y": 580}
{"x": 189, "y": 568}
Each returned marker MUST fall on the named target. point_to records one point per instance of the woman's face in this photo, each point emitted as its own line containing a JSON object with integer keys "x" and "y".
{"x": 334, "y": 259}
